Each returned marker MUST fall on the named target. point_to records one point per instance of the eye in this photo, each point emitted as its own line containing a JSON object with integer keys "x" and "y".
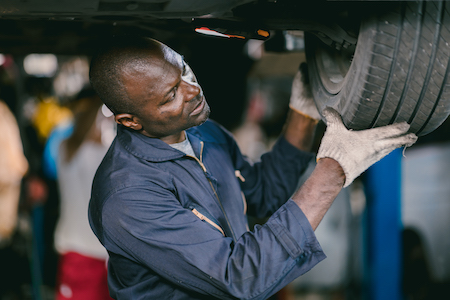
{"x": 173, "y": 94}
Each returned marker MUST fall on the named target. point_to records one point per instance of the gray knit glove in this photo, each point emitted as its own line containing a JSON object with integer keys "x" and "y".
{"x": 302, "y": 100}
{"x": 356, "y": 151}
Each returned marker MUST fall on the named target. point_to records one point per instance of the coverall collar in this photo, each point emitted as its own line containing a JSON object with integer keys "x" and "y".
{"x": 154, "y": 149}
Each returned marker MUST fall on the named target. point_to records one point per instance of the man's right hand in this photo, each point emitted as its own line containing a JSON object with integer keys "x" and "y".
{"x": 343, "y": 155}
{"x": 356, "y": 151}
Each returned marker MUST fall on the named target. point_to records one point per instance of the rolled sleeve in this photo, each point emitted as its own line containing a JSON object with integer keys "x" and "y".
{"x": 294, "y": 232}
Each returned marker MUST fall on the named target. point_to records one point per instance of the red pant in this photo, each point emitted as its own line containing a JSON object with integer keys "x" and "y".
{"x": 81, "y": 278}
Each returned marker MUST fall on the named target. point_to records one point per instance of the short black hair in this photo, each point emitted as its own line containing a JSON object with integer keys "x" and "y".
{"x": 108, "y": 63}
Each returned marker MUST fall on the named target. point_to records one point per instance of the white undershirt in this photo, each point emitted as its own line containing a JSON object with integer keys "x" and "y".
{"x": 185, "y": 146}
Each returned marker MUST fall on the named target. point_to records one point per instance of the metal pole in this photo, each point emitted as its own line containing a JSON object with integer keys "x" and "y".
{"x": 383, "y": 227}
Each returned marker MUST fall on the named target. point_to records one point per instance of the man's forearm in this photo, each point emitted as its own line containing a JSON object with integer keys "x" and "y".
{"x": 299, "y": 130}
{"x": 318, "y": 193}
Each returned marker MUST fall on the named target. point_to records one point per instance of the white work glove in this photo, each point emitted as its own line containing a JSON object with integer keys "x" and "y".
{"x": 302, "y": 100}
{"x": 356, "y": 151}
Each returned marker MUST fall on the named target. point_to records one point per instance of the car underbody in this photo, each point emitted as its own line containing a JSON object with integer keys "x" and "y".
{"x": 69, "y": 27}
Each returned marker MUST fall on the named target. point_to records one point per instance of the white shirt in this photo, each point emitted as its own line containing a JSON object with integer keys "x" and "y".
{"x": 73, "y": 232}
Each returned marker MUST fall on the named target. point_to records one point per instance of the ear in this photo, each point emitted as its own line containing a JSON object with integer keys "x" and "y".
{"x": 128, "y": 120}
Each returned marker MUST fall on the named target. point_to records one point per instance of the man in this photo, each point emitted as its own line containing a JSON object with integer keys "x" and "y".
{"x": 169, "y": 200}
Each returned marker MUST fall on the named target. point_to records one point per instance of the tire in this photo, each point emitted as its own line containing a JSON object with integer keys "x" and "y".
{"x": 398, "y": 70}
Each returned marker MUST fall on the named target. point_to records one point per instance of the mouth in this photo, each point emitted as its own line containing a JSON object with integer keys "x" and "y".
{"x": 199, "y": 108}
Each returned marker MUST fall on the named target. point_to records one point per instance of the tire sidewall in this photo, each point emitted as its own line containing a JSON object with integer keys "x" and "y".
{"x": 348, "y": 99}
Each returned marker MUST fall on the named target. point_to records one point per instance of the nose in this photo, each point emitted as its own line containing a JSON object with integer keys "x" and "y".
{"x": 191, "y": 90}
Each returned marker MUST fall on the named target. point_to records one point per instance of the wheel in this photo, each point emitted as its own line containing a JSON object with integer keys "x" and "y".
{"x": 398, "y": 70}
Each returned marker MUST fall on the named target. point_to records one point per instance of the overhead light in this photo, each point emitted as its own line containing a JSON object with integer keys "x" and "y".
{"x": 234, "y": 32}
{"x": 263, "y": 33}
{"x": 207, "y": 31}
{"x": 40, "y": 64}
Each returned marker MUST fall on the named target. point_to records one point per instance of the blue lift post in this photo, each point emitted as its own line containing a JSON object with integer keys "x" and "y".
{"x": 383, "y": 227}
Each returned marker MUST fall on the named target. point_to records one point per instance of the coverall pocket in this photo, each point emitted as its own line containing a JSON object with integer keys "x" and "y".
{"x": 206, "y": 217}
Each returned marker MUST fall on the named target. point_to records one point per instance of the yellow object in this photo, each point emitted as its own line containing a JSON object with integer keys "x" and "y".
{"x": 49, "y": 114}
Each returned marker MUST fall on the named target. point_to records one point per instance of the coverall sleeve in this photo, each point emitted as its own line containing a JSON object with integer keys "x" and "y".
{"x": 149, "y": 226}
{"x": 269, "y": 183}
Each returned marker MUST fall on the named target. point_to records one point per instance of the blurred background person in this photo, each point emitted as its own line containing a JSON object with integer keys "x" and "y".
{"x": 82, "y": 262}
{"x": 13, "y": 166}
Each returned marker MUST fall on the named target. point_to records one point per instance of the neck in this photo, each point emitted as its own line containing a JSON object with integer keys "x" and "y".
{"x": 174, "y": 138}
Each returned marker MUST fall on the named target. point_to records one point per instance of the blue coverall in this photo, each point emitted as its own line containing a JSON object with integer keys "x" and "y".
{"x": 175, "y": 226}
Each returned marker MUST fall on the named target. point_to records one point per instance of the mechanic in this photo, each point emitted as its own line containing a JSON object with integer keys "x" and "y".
{"x": 169, "y": 200}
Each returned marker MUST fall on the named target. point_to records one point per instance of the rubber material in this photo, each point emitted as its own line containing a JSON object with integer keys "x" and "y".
{"x": 399, "y": 71}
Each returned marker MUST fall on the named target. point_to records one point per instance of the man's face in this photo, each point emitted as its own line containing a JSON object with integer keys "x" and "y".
{"x": 171, "y": 98}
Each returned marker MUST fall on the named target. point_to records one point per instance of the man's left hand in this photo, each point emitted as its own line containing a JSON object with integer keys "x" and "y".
{"x": 302, "y": 100}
